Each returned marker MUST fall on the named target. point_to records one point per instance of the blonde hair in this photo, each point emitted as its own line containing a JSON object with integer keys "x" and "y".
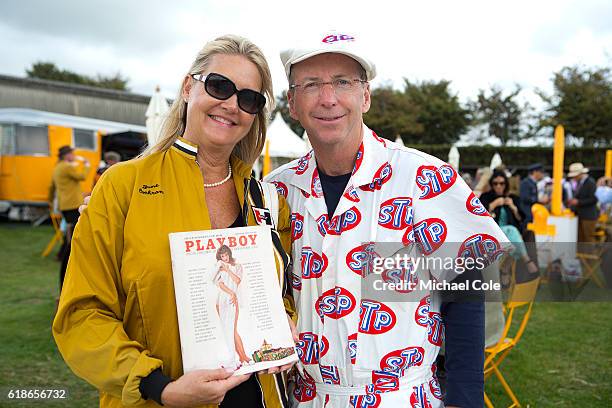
{"x": 250, "y": 147}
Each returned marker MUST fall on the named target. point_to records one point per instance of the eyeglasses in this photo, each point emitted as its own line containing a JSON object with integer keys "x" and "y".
{"x": 339, "y": 85}
{"x": 220, "y": 87}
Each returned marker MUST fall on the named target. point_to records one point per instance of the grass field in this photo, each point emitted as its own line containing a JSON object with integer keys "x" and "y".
{"x": 563, "y": 359}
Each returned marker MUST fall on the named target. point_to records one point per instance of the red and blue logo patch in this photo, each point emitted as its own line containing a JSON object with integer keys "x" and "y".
{"x": 297, "y": 226}
{"x": 429, "y": 233}
{"x": 375, "y": 317}
{"x": 313, "y": 264}
{"x": 382, "y": 175}
{"x": 396, "y": 213}
{"x": 335, "y": 303}
{"x": 473, "y": 205}
{"x": 434, "y": 181}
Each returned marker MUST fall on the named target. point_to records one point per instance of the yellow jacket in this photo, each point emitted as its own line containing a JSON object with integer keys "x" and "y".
{"x": 66, "y": 181}
{"x": 117, "y": 320}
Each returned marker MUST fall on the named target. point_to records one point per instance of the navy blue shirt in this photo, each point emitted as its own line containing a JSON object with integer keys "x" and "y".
{"x": 463, "y": 321}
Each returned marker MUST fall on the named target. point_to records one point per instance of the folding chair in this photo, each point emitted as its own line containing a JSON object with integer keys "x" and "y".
{"x": 591, "y": 261}
{"x": 56, "y": 219}
{"x": 522, "y": 296}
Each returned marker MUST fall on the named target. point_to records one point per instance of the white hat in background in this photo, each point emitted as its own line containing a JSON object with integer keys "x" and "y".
{"x": 331, "y": 41}
{"x": 576, "y": 169}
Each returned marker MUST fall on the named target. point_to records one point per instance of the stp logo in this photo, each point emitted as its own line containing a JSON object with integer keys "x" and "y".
{"x": 434, "y": 181}
{"x": 344, "y": 222}
{"x": 382, "y": 175}
{"x": 351, "y": 194}
{"x": 281, "y": 188}
{"x": 359, "y": 259}
{"x": 404, "y": 274}
{"x": 313, "y": 264}
{"x": 434, "y": 387}
{"x": 383, "y": 381}
{"x": 316, "y": 190}
{"x": 297, "y": 226}
{"x": 329, "y": 374}
{"x": 352, "y": 347}
{"x": 323, "y": 224}
{"x": 332, "y": 38}
{"x": 305, "y": 388}
{"x": 365, "y": 401}
{"x": 302, "y": 165}
{"x": 335, "y": 303}
{"x": 429, "y": 233}
{"x": 375, "y": 317}
{"x": 419, "y": 399}
{"x": 308, "y": 348}
{"x": 296, "y": 281}
{"x": 481, "y": 246}
{"x": 424, "y": 317}
{"x": 396, "y": 213}
{"x": 359, "y": 158}
{"x": 473, "y": 205}
{"x": 399, "y": 360}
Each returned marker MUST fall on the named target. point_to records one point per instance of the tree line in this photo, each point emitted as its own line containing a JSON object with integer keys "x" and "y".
{"x": 428, "y": 112}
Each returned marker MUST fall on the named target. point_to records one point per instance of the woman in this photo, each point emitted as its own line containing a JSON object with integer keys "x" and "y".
{"x": 227, "y": 279}
{"x": 116, "y": 325}
{"x": 504, "y": 207}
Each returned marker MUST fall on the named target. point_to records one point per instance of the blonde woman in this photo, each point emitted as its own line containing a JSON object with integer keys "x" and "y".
{"x": 116, "y": 325}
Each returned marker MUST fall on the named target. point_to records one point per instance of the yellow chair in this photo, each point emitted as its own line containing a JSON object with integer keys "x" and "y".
{"x": 523, "y": 295}
{"x": 56, "y": 219}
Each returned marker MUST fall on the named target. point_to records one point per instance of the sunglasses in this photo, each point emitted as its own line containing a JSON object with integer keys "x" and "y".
{"x": 499, "y": 183}
{"x": 220, "y": 87}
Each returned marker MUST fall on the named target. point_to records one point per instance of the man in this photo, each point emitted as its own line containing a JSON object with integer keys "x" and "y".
{"x": 584, "y": 201}
{"x": 357, "y": 188}
{"x": 529, "y": 191}
{"x": 110, "y": 158}
{"x": 66, "y": 183}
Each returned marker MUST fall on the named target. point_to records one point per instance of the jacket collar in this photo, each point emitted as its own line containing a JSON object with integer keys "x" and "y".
{"x": 370, "y": 157}
{"x": 189, "y": 150}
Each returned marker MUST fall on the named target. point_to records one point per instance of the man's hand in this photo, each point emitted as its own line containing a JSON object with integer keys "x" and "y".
{"x": 200, "y": 387}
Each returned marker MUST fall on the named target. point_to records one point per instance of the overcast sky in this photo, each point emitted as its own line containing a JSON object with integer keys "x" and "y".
{"x": 474, "y": 44}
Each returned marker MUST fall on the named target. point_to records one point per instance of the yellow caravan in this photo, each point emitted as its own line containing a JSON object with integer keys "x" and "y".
{"x": 29, "y": 141}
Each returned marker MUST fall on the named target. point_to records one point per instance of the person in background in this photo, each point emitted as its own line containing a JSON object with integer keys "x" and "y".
{"x": 483, "y": 176}
{"x": 117, "y": 324}
{"x": 529, "y": 192}
{"x": 110, "y": 158}
{"x": 504, "y": 208}
{"x": 66, "y": 184}
{"x": 583, "y": 202}
{"x": 604, "y": 192}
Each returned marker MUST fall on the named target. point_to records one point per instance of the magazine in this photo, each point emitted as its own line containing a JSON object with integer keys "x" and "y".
{"x": 228, "y": 300}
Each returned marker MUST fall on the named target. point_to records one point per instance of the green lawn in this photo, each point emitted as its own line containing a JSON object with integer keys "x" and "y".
{"x": 563, "y": 359}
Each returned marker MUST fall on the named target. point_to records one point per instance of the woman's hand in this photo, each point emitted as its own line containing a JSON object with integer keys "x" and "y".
{"x": 200, "y": 387}
{"x": 85, "y": 204}
{"x": 234, "y": 299}
{"x": 496, "y": 203}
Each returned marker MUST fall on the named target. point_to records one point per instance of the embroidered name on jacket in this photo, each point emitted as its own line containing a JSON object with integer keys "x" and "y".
{"x": 152, "y": 189}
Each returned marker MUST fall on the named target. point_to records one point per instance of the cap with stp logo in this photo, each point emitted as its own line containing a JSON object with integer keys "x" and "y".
{"x": 334, "y": 42}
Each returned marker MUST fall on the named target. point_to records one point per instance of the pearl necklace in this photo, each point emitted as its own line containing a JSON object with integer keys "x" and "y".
{"x": 218, "y": 183}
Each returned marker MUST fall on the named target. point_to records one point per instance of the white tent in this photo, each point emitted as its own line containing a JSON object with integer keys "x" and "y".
{"x": 155, "y": 114}
{"x": 283, "y": 141}
{"x": 399, "y": 140}
{"x": 496, "y": 161}
{"x": 453, "y": 157}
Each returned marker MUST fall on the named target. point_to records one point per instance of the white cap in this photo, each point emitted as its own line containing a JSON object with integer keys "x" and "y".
{"x": 331, "y": 41}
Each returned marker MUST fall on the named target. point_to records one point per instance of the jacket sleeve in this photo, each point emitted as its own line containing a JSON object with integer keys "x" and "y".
{"x": 587, "y": 194}
{"x": 51, "y": 194}
{"x": 284, "y": 230}
{"x": 75, "y": 174}
{"x": 88, "y": 326}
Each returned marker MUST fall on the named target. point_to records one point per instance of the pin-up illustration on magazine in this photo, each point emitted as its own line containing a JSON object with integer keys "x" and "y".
{"x": 228, "y": 300}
